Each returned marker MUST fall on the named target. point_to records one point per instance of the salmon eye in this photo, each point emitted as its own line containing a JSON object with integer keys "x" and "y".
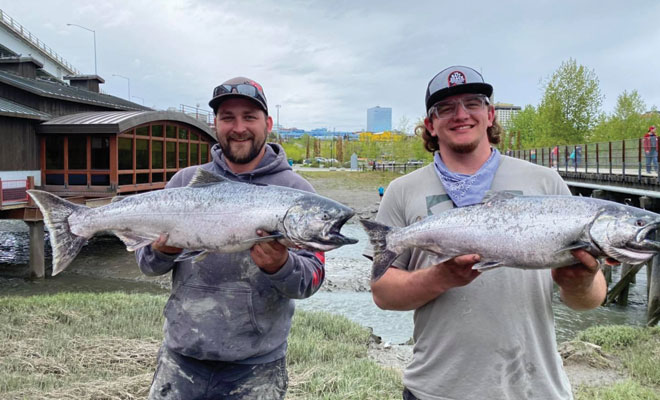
{"x": 325, "y": 217}
{"x": 640, "y": 222}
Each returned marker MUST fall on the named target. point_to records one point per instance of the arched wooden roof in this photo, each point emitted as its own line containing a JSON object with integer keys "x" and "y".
{"x": 115, "y": 122}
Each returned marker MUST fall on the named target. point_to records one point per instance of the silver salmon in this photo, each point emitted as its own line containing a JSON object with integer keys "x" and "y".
{"x": 211, "y": 214}
{"x": 528, "y": 232}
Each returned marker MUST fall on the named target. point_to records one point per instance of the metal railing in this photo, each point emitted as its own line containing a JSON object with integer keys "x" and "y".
{"x": 10, "y": 23}
{"x": 623, "y": 157}
{"x": 14, "y": 191}
{"x": 392, "y": 167}
{"x": 197, "y": 113}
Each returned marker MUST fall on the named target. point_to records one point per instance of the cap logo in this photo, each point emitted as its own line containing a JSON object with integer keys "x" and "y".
{"x": 456, "y": 78}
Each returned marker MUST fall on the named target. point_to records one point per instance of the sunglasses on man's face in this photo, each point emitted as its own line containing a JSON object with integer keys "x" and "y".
{"x": 447, "y": 109}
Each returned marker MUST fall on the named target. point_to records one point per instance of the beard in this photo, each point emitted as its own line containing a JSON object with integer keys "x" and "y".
{"x": 463, "y": 148}
{"x": 236, "y": 157}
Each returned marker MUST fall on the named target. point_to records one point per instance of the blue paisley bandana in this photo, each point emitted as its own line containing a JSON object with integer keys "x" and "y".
{"x": 465, "y": 190}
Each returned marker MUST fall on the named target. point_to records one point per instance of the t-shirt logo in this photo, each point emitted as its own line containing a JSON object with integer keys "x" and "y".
{"x": 456, "y": 78}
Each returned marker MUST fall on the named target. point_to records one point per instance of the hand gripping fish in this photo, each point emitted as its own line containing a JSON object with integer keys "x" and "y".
{"x": 528, "y": 232}
{"x": 211, "y": 214}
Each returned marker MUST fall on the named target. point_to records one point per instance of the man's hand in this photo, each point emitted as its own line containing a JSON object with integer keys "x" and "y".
{"x": 403, "y": 290}
{"x": 269, "y": 256}
{"x": 582, "y": 285}
{"x": 159, "y": 245}
{"x": 456, "y": 271}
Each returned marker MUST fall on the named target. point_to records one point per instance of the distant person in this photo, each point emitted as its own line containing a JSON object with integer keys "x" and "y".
{"x": 477, "y": 335}
{"x": 555, "y": 156}
{"x": 532, "y": 156}
{"x": 381, "y": 191}
{"x": 650, "y": 143}
{"x": 575, "y": 156}
{"x": 229, "y": 315}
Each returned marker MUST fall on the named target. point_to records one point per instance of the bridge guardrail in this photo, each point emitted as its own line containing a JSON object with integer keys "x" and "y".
{"x": 623, "y": 157}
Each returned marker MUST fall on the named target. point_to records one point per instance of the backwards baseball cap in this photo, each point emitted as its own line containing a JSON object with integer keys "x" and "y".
{"x": 238, "y": 87}
{"x": 455, "y": 80}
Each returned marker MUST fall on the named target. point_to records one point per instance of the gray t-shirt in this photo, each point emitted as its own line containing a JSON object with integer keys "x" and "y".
{"x": 495, "y": 337}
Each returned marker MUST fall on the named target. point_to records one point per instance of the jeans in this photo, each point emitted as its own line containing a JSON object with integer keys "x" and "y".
{"x": 179, "y": 377}
{"x": 407, "y": 395}
{"x": 651, "y": 161}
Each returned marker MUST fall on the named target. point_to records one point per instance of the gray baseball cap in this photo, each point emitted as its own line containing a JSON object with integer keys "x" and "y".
{"x": 455, "y": 80}
{"x": 238, "y": 87}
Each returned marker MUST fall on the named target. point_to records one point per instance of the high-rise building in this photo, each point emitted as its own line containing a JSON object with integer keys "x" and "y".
{"x": 505, "y": 112}
{"x": 379, "y": 119}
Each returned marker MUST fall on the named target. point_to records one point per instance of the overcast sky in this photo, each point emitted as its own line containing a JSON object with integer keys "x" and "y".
{"x": 326, "y": 62}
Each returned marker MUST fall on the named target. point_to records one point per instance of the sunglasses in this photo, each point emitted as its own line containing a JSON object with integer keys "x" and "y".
{"x": 241, "y": 88}
{"x": 447, "y": 109}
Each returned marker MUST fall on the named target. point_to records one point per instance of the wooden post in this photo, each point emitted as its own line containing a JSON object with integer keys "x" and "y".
{"x": 37, "y": 261}
{"x": 607, "y": 271}
{"x": 654, "y": 293}
{"x": 622, "y": 299}
{"x": 623, "y": 283}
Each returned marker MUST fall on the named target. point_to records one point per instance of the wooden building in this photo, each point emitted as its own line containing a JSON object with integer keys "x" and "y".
{"x": 101, "y": 153}
{"x": 75, "y": 140}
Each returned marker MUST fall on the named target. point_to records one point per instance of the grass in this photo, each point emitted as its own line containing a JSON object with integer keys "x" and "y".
{"x": 103, "y": 346}
{"x": 638, "y": 348}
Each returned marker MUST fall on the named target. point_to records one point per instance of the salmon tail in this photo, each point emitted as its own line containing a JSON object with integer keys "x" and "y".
{"x": 56, "y": 212}
{"x": 383, "y": 257}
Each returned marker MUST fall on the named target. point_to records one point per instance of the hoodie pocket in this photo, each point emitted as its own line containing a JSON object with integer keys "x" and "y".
{"x": 208, "y": 311}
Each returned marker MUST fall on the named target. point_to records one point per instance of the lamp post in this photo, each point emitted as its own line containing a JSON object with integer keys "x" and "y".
{"x": 94, "y": 32}
{"x": 139, "y": 98}
{"x": 279, "y": 138}
{"x": 129, "y": 84}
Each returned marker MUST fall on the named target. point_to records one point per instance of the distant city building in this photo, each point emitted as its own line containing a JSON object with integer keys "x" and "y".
{"x": 505, "y": 112}
{"x": 379, "y": 119}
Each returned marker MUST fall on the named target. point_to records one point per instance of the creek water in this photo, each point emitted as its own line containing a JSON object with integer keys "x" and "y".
{"x": 105, "y": 265}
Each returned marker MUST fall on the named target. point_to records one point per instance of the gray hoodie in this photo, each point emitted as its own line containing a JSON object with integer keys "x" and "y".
{"x": 224, "y": 307}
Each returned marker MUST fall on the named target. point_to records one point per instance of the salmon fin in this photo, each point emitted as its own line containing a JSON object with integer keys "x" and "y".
{"x": 574, "y": 246}
{"x": 203, "y": 177}
{"x": 383, "y": 257}
{"x": 195, "y": 256}
{"x": 117, "y": 198}
{"x": 269, "y": 238}
{"x": 56, "y": 212}
{"x": 487, "y": 265}
{"x": 492, "y": 196}
{"x": 132, "y": 241}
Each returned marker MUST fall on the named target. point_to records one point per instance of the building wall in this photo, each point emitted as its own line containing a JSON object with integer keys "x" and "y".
{"x": 379, "y": 119}
{"x": 505, "y": 114}
{"x": 19, "y": 145}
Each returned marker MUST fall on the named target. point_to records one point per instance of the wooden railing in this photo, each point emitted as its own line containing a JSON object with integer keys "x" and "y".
{"x": 15, "y": 191}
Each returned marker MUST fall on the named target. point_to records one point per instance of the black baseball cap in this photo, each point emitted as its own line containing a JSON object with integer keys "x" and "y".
{"x": 238, "y": 87}
{"x": 455, "y": 80}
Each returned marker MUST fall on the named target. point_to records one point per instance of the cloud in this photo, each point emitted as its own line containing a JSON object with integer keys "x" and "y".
{"x": 325, "y": 63}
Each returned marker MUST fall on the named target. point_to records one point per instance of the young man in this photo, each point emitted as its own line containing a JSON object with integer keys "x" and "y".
{"x": 477, "y": 336}
{"x": 229, "y": 315}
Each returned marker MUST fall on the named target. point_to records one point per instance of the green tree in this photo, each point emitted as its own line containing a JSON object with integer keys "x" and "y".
{"x": 626, "y": 122}
{"x": 570, "y": 106}
{"x": 524, "y": 123}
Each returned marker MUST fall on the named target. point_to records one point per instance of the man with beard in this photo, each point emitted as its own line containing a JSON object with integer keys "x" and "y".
{"x": 229, "y": 315}
{"x": 477, "y": 335}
